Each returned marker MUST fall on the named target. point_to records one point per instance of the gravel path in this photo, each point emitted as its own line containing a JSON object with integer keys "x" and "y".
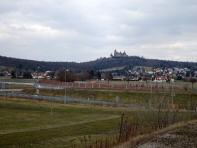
{"x": 184, "y": 137}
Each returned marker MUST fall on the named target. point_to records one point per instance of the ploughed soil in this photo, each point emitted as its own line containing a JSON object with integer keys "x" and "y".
{"x": 184, "y": 137}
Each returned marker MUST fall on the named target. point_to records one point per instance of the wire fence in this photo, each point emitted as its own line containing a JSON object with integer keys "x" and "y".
{"x": 146, "y": 86}
{"x": 70, "y": 100}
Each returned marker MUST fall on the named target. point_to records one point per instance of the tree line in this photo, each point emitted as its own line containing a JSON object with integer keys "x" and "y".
{"x": 98, "y": 64}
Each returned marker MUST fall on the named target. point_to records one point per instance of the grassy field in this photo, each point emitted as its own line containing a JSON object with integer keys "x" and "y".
{"x": 2, "y": 79}
{"x": 183, "y": 100}
{"x": 27, "y": 123}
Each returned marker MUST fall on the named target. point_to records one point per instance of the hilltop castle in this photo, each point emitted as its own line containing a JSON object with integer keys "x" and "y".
{"x": 119, "y": 54}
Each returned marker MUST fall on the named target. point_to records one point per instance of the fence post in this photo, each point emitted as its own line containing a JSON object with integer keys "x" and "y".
{"x": 121, "y": 127}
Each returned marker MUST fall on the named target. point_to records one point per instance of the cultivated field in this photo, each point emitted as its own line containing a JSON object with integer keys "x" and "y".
{"x": 27, "y": 123}
{"x": 32, "y": 123}
{"x": 181, "y": 99}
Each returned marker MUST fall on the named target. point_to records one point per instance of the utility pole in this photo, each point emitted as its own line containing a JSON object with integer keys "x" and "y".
{"x": 172, "y": 94}
{"x": 65, "y": 99}
{"x": 51, "y": 106}
{"x": 37, "y": 82}
{"x": 151, "y": 97}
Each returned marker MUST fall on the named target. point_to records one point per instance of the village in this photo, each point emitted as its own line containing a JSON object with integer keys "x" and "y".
{"x": 138, "y": 73}
{"x": 123, "y": 73}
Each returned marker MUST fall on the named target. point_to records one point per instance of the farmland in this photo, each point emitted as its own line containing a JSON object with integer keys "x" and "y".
{"x": 38, "y": 123}
{"x": 25, "y": 123}
{"x": 184, "y": 99}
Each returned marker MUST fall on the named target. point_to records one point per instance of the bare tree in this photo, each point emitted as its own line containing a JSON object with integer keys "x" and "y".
{"x": 62, "y": 73}
{"x": 192, "y": 80}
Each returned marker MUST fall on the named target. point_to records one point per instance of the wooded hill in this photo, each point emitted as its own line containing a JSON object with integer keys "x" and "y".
{"x": 99, "y": 64}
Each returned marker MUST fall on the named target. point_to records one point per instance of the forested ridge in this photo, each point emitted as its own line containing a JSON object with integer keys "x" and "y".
{"x": 99, "y": 64}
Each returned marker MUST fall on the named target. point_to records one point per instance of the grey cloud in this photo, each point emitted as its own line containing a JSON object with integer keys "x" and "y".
{"x": 78, "y": 30}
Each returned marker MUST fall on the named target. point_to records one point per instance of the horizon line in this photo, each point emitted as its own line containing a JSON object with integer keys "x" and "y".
{"x": 97, "y": 59}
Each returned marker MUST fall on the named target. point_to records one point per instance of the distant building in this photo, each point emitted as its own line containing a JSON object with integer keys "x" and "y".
{"x": 119, "y": 54}
{"x": 49, "y": 74}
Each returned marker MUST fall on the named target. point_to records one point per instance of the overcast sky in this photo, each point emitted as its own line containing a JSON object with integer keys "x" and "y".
{"x": 83, "y": 30}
